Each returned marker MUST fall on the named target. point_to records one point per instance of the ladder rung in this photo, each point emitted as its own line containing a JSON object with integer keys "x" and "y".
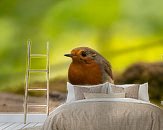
{"x": 38, "y": 55}
{"x": 37, "y": 89}
{"x": 34, "y": 105}
{"x": 38, "y": 70}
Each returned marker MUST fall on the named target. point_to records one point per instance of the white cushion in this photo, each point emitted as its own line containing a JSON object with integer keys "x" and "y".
{"x": 71, "y": 92}
{"x": 103, "y": 95}
{"x": 143, "y": 91}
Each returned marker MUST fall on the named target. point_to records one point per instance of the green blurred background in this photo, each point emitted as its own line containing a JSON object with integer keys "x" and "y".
{"x": 125, "y": 32}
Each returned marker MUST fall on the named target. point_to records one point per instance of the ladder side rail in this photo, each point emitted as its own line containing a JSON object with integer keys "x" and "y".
{"x": 27, "y": 81}
{"x": 47, "y": 76}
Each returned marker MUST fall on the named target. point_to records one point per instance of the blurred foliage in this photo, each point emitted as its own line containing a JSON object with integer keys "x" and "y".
{"x": 123, "y": 31}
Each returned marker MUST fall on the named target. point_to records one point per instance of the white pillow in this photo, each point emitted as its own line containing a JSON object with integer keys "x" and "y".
{"x": 143, "y": 91}
{"x": 71, "y": 92}
{"x": 103, "y": 95}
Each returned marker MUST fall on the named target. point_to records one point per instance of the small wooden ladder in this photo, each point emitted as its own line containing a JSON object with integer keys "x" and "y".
{"x": 28, "y": 71}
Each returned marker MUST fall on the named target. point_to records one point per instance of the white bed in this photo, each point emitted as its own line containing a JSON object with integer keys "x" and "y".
{"x": 84, "y": 111}
{"x": 106, "y": 114}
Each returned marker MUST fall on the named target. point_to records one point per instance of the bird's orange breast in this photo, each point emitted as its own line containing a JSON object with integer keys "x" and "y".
{"x": 85, "y": 74}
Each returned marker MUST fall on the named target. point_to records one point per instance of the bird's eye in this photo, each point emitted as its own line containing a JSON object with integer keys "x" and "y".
{"x": 83, "y": 54}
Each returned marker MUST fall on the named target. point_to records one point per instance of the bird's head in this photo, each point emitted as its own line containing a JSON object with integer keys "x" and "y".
{"x": 82, "y": 55}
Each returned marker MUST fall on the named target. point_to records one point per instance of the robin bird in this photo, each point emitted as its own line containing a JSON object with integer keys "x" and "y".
{"x": 88, "y": 67}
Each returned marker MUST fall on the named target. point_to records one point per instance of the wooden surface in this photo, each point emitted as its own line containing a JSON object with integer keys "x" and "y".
{"x": 17, "y": 126}
{"x": 12, "y": 118}
{"x": 15, "y": 121}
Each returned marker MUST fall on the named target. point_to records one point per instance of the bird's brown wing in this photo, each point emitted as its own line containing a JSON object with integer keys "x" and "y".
{"x": 105, "y": 65}
{"x": 107, "y": 68}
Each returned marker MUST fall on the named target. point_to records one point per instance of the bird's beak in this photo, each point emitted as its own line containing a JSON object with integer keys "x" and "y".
{"x": 68, "y": 55}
